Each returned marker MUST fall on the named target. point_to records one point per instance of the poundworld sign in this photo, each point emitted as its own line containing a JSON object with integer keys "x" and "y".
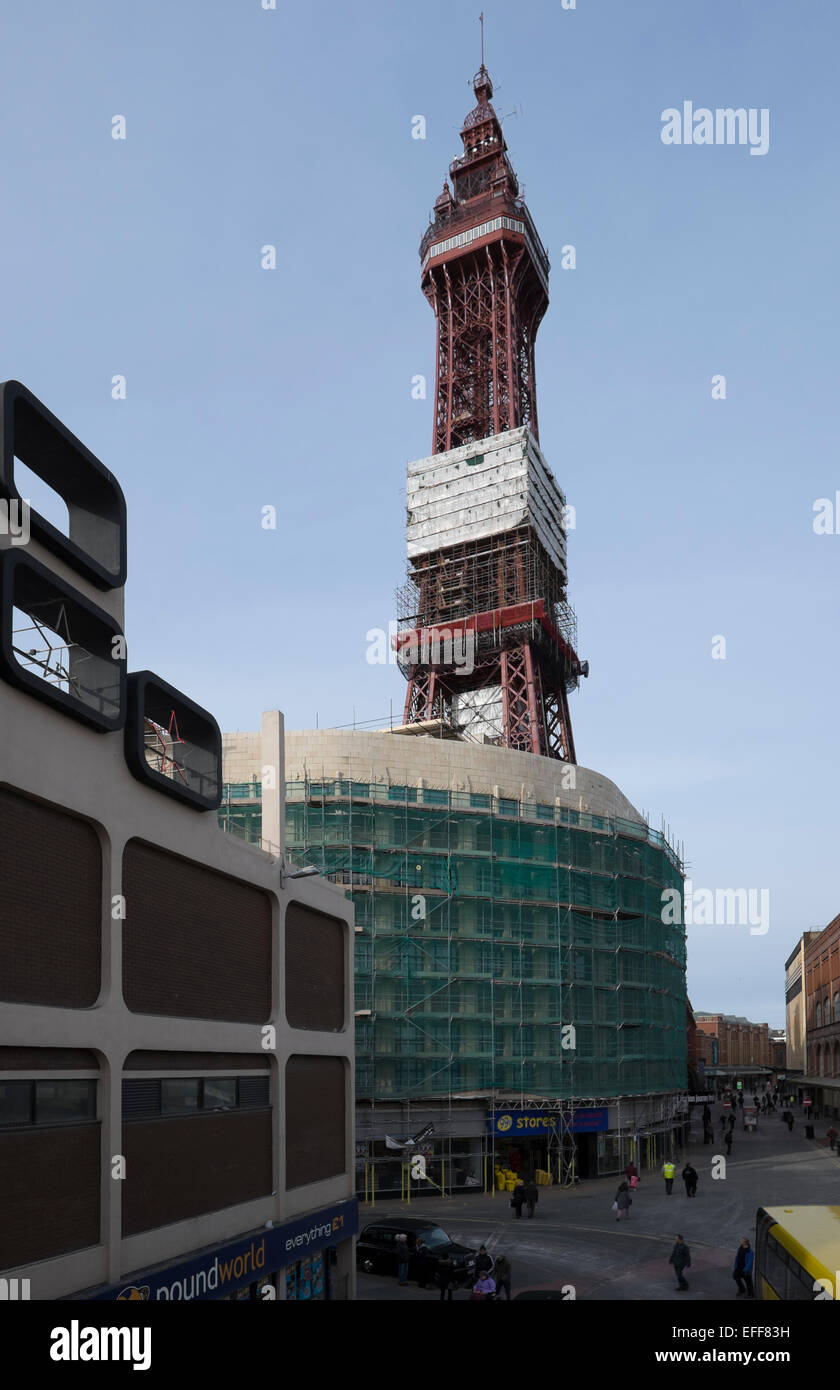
{"x": 219, "y": 1271}
{"x": 518, "y": 1124}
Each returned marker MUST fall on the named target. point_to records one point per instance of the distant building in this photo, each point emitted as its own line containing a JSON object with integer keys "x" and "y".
{"x": 735, "y": 1049}
{"x": 822, "y": 1015}
{"x": 795, "y": 1020}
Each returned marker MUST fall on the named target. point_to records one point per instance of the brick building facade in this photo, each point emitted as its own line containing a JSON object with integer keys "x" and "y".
{"x": 739, "y": 1043}
{"x": 822, "y": 1001}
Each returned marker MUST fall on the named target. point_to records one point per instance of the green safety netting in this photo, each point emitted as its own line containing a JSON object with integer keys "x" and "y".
{"x": 489, "y": 926}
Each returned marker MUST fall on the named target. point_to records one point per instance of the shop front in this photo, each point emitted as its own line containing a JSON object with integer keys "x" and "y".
{"x": 530, "y": 1142}
{"x": 294, "y": 1262}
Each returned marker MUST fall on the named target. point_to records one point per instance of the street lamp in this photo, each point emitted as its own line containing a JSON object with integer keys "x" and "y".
{"x": 308, "y": 872}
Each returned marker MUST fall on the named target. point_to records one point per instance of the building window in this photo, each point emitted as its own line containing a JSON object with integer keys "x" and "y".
{"x": 64, "y": 1102}
{"x": 145, "y": 1099}
{"x": 15, "y": 1103}
{"x": 219, "y": 1093}
{"x": 837, "y": 1006}
{"x": 819, "y": 1014}
{"x": 47, "y": 1102}
{"x": 179, "y": 1096}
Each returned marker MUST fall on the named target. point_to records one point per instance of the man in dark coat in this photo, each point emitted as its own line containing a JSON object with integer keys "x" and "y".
{"x": 531, "y": 1196}
{"x": 445, "y": 1277}
{"x": 483, "y": 1263}
{"x": 502, "y": 1275}
{"x": 421, "y": 1262}
{"x": 518, "y": 1198}
{"x": 680, "y": 1258}
{"x": 728, "y": 1141}
{"x": 689, "y": 1177}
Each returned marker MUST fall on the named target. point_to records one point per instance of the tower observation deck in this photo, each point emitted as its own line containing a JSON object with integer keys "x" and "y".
{"x": 487, "y": 640}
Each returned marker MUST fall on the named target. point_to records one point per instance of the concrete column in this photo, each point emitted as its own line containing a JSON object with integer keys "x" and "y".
{"x": 272, "y": 774}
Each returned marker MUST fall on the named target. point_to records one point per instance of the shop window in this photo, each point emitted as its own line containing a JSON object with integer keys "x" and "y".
{"x": 307, "y": 1280}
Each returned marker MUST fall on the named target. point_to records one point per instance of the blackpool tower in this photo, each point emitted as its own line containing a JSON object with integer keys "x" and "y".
{"x": 487, "y": 639}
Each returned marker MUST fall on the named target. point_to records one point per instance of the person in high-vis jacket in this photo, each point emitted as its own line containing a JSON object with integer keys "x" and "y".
{"x": 668, "y": 1171}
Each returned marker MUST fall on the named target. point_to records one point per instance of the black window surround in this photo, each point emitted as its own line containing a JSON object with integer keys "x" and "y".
{"x": 197, "y": 778}
{"x": 92, "y": 653}
{"x": 96, "y": 546}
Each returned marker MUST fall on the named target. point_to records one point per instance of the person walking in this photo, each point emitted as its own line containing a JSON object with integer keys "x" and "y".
{"x": 483, "y": 1263}
{"x": 623, "y": 1201}
{"x": 421, "y": 1260}
{"x": 788, "y": 1119}
{"x": 680, "y": 1258}
{"x": 742, "y": 1269}
{"x": 741, "y": 1099}
{"x": 723, "y": 1120}
{"x": 727, "y": 1139}
{"x": 732, "y": 1121}
{"x": 690, "y": 1178}
{"x": 831, "y": 1136}
{"x": 532, "y": 1194}
{"x": 668, "y": 1171}
{"x": 502, "y": 1275}
{"x": 445, "y": 1277}
{"x": 402, "y": 1259}
{"x": 631, "y": 1172}
{"x": 518, "y": 1198}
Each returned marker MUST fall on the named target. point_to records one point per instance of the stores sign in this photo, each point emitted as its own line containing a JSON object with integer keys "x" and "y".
{"x": 519, "y": 1124}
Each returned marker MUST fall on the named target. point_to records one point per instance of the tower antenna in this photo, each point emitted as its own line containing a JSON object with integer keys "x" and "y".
{"x": 481, "y": 22}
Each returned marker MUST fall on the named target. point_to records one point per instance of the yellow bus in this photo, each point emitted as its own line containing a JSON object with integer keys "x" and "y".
{"x": 797, "y": 1253}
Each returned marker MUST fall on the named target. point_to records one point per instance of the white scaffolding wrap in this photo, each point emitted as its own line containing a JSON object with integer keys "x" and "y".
{"x": 481, "y": 489}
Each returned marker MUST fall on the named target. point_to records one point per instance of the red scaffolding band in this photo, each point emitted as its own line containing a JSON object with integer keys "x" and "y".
{"x": 493, "y": 620}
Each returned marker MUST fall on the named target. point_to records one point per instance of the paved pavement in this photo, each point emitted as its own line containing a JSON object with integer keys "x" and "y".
{"x": 574, "y": 1238}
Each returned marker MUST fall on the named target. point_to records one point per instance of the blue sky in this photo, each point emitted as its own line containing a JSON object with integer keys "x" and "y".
{"x": 291, "y": 388}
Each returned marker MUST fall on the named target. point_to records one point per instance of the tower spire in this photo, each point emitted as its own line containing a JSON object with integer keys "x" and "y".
{"x": 486, "y": 537}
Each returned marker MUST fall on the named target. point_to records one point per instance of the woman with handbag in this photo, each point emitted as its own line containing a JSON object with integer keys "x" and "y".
{"x": 623, "y": 1202}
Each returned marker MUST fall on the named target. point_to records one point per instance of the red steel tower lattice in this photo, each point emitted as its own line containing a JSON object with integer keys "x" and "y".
{"x": 486, "y": 519}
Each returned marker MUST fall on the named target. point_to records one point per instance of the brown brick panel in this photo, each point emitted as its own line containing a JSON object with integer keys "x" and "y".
{"x": 180, "y": 1168}
{"x": 49, "y": 1193}
{"x": 50, "y": 905}
{"x": 47, "y": 1059}
{"x": 315, "y": 952}
{"x": 198, "y": 1061}
{"x": 196, "y": 944}
{"x": 315, "y": 1119}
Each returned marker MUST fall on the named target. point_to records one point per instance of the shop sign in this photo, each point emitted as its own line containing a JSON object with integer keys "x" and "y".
{"x": 519, "y": 1124}
{"x": 514, "y": 1124}
{"x": 216, "y": 1273}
